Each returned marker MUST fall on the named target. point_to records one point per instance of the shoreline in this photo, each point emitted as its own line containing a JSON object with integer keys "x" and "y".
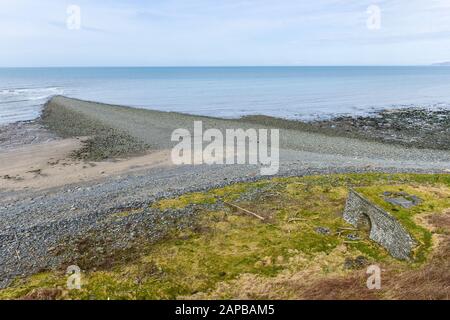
{"x": 99, "y": 145}
{"x": 415, "y": 127}
{"x": 36, "y": 220}
{"x": 410, "y": 127}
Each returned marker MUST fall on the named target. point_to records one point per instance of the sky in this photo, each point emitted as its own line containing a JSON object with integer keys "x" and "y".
{"x": 223, "y": 32}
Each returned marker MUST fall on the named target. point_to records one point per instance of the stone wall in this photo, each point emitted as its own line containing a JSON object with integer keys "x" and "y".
{"x": 384, "y": 228}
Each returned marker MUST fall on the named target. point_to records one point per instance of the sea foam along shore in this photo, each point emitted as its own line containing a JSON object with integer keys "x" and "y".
{"x": 34, "y": 222}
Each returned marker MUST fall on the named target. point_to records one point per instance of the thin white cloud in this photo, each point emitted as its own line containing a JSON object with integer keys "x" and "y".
{"x": 232, "y": 32}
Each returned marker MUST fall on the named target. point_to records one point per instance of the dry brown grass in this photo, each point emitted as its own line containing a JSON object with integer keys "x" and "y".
{"x": 441, "y": 221}
{"x": 233, "y": 255}
{"x": 343, "y": 288}
{"x": 430, "y": 282}
{"x": 43, "y": 294}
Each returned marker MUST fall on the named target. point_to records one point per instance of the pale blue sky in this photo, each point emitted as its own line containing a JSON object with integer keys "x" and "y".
{"x": 223, "y": 32}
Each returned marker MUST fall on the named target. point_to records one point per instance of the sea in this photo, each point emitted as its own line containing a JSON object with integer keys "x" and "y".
{"x": 304, "y": 93}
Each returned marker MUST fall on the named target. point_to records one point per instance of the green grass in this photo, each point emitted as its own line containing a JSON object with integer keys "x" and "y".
{"x": 435, "y": 199}
{"x": 226, "y": 245}
{"x": 228, "y": 193}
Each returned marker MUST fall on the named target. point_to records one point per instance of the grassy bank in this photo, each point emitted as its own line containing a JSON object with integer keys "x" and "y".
{"x": 301, "y": 248}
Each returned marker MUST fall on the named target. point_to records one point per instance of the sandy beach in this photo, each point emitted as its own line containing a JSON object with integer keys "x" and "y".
{"x": 66, "y": 174}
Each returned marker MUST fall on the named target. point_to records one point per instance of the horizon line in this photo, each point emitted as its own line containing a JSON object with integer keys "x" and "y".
{"x": 219, "y": 66}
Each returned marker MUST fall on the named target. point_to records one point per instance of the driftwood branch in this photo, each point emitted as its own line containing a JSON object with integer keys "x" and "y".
{"x": 302, "y": 219}
{"x": 343, "y": 230}
{"x": 297, "y": 219}
{"x": 245, "y": 210}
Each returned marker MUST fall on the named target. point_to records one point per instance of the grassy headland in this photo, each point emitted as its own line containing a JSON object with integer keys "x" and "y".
{"x": 299, "y": 249}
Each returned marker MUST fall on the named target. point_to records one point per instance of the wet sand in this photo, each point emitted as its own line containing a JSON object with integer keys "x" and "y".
{"x": 50, "y": 164}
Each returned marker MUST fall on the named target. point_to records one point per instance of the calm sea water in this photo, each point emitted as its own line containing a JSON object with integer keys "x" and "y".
{"x": 290, "y": 92}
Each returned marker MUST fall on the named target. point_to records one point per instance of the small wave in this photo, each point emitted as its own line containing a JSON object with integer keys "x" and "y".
{"x": 13, "y": 101}
{"x": 29, "y": 89}
{"x": 17, "y": 104}
{"x": 29, "y": 93}
{"x": 22, "y": 96}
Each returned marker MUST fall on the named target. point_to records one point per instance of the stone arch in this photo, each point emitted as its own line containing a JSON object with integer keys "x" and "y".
{"x": 365, "y": 222}
{"x": 383, "y": 227}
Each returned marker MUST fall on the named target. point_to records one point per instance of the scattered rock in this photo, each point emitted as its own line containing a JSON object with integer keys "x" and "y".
{"x": 353, "y": 237}
{"x": 323, "y": 230}
{"x": 36, "y": 171}
{"x": 24, "y": 133}
{"x": 356, "y": 263}
{"x": 402, "y": 199}
{"x": 8, "y": 177}
{"x": 414, "y": 127}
